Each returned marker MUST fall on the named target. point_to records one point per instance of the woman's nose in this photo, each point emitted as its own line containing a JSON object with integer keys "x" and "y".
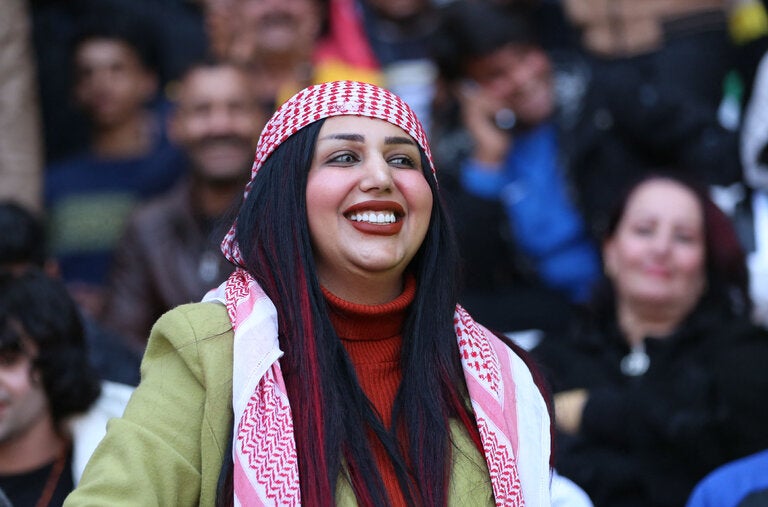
{"x": 377, "y": 175}
{"x": 661, "y": 243}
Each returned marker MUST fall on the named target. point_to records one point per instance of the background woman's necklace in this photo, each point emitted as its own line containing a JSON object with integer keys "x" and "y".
{"x": 636, "y": 362}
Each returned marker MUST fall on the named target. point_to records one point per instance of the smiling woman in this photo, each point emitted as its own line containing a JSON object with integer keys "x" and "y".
{"x": 335, "y": 360}
{"x": 664, "y": 379}
{"x": 656, "y": 257}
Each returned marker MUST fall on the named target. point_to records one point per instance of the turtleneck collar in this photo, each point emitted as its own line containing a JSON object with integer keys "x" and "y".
{"x": 359, "y": 322}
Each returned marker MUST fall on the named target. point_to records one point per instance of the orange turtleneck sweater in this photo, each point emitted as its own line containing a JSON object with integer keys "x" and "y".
{"x": 371, "y": 335}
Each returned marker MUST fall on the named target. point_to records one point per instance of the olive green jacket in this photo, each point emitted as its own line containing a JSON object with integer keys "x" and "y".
{"x": 168, "y": 447}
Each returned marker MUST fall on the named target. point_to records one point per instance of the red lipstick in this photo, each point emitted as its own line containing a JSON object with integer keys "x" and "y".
{"x": 380, "y": 229}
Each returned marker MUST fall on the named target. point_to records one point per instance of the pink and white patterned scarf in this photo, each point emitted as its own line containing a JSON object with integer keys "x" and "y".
{"x": 511, "y": 414}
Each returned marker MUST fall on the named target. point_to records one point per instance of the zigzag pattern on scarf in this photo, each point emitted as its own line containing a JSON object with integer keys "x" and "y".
{"x": 507, "y": 488}
{"x": 236, "y": 291}
{"x": 265, "y": 449}
{"x": 482, "y": 364}
{"x": 263, "y": 435}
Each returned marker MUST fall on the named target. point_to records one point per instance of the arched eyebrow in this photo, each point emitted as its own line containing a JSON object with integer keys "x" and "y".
{"x": 399, "y": 140}
{"x": 358, "y": 138}
{"x": 345, "y": 137}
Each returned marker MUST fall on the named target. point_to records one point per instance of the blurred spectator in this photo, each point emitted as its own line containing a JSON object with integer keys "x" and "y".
{"x": 383, "y": 42}
{"x": 664, "y": 379}
{"x": 174, "y": 27}
{"x": 677, "y": 43}
{"x": 22, "y": 243}
{"x": 54, "y": 408}
{"x": 740, "y": 483}
{"x": 273, "y": 39}
{"x": 22, "y": 248}
{"x": 751, "y": 215}
{"x": 20, "y": 135}
{"x": 288, "y": 44}
{"x": 555, "y": 31}
{"x": 497, "y": 136}
{"x": 129, "y": 158}
{"x": 170, "y": 252}
{"x": 609, "y": 126}
{"x": 754, "y": 136}
{"x": 748, "y": 29}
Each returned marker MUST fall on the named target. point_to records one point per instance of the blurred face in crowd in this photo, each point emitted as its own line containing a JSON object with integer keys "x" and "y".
{"x": 217, "y": 122}
{"x": 275, "y": 27}
{"x": 656, "y": 256}
{"x": 111, "y": 83}
{"x": 520, "y": 78}
{"x": 24, "y": 408}
{"x": 368, "y": 204}
{"x": 219, "y": 26}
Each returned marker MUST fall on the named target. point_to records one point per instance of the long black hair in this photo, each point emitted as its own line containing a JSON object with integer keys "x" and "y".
{"x": 37, "y": 310}
{"x": 335, "y": 419}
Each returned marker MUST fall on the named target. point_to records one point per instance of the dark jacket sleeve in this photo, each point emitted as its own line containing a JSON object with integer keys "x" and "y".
{"x": 168, "y": 446}
{"x": 131, "y": 303}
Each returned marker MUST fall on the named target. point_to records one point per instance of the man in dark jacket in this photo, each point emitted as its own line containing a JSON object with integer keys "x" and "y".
{"x": 169, "y": 253}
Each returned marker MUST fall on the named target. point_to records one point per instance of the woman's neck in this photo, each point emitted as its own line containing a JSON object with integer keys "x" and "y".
{"x": 640, "y": 320}
{"x": 369, "y": 290}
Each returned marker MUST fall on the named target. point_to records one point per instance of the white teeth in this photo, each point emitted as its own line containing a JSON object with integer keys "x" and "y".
{"x": 380, "y": 217}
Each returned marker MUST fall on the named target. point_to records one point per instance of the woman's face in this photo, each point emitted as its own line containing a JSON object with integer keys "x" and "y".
{"x": 657, "y": 253}
{"x": 368, "y": 205}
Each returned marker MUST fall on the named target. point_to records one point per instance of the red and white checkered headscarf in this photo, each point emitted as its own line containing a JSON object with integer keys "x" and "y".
{"x": 337, "y": 98}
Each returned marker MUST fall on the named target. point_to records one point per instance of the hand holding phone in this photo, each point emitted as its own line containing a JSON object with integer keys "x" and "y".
{"x": 489, "y": 123}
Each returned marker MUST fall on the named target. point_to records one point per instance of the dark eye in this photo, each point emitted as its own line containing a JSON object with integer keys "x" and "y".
{"x": 643, "y": 230}
{"x": 685, "y": 238}
{"x": 344, "y": 158}
{"x": 201, "y": 109}
{"x": 402, "y": 161}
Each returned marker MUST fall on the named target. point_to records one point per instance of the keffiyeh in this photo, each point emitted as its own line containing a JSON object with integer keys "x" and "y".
{"x": 511, "y": 415}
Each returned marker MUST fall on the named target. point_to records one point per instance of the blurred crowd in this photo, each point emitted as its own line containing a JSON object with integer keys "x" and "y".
{"x": 606, "y": 164}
